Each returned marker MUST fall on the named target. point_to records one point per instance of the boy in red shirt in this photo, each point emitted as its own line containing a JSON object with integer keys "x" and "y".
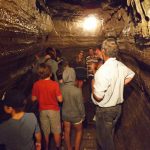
{"x": 48, "y": 94}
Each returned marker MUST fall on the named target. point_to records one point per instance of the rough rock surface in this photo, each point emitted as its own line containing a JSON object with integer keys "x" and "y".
{"x": 22, "y": 32}
{"x": 26, "y": 30}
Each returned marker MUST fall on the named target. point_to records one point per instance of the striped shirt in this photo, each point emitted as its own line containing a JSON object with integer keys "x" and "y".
{"x": 89, "y": 61}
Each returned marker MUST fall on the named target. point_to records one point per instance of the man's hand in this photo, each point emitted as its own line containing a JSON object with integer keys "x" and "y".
{"x": 97, "y": 98}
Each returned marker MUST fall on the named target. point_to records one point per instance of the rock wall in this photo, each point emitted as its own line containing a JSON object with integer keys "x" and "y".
{"x": 23, "y": 31}
{"x": 133, "y": 129}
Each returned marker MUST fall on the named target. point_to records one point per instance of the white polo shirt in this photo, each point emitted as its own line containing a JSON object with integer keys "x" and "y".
{"x": 109, "y": 82}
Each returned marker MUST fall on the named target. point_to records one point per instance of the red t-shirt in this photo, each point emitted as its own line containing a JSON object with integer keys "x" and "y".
{"x": 46, "y": 92}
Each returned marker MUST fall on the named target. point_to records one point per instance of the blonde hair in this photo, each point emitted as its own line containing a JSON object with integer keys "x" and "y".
{"x": 110, "y": 47}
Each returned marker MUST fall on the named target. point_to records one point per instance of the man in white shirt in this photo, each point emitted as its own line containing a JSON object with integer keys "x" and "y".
{"x": 107, "y": 94}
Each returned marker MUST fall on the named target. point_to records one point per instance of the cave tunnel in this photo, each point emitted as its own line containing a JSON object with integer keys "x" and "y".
{"x": 28, "y": 27}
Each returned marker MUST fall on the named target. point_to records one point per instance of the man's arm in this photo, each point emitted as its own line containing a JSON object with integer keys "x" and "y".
{"x": 130, "y": 75}
{"x": 126, "y": 81}
{"x": 97, "y": 99}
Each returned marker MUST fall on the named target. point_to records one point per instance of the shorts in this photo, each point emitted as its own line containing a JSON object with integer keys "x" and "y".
{"x": 78, "y": 122}
{"x": 72, "y": 120}
{"x": 50, "y": 122}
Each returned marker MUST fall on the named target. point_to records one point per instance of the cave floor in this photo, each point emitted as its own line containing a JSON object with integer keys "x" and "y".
{"x": 88, "y": 139}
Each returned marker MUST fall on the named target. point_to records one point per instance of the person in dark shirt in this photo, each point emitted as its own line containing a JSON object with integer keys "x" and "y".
{"x": 80, "y": 68}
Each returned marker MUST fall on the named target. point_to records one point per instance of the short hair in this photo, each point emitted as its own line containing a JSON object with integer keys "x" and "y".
{"x": 110, "y": 47}
{"x": 44, "y": 71}
{"x": 16, "y": 99}
{"x": 48, "y": 50}
{"x": 98, "y": 47}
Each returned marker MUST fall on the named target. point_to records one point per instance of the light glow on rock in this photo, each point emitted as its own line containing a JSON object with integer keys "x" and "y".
{"x": 90, "y": 23}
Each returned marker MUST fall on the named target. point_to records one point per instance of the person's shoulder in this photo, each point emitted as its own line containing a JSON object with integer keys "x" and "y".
{"x": 30, "y": 116}
{"x": 37, "y": 82}
{"x": 104, "y": 70}
{"x": 55, "y": 83}
{"x": 121, "y": 64}
{"x": 54, "y": 62}
{"x": 5, "y": 124}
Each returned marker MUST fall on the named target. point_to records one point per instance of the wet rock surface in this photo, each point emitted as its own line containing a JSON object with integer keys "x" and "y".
{"x": 23, "y": 30}
{"x": 26, "y": 29}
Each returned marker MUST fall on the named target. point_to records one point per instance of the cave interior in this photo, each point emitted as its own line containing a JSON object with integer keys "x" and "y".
{"x": 28, "y": 27}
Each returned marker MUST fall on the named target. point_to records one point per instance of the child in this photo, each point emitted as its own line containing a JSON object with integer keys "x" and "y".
{"x": 48, "y": 94}
{"x": 17, "y": 133}
{"x": 73, "y": 112}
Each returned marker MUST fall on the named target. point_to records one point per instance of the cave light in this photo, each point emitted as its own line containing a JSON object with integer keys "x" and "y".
{"x": 90, "y": 23}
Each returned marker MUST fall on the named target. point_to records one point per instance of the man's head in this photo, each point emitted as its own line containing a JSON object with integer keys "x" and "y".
{"x": 81, "y": 54}
{"x": 98, "y": 51}
{"x": 51, "y": 52}
{"x": 14, "y": 100}
{"x": 91, "y": 52}
{"x": 110, "y": 47}
{"x": 44, "y": 71}
{"x": 48, "y": 50}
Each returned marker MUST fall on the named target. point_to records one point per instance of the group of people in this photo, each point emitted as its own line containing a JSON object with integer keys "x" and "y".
{"x": 106, "y": 77}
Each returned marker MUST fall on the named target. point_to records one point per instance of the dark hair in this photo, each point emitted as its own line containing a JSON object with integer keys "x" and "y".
{"x": 52, "y": 55}
{"x": 48, "y": 50}
{"x": 58, "y": 53}
{"x": 16, "y": 99}
{"x": 44, "y": 71}
{"x": 59, "y": 73}
{"x": 99, "y": 47}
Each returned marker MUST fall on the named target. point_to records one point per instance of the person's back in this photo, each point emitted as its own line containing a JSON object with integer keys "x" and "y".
{"x": 115, "y": 74}
{"x": 50, "y": 60}
{"x": 48, "y": 94}
{"x": 46, "y": 91}
{"x": 73, "y": 112}
{"x": 108, "y": 87}
{"x": 18, "y": 134}
{"x": 54, "y": 66}
{"x": 73, "y": 108}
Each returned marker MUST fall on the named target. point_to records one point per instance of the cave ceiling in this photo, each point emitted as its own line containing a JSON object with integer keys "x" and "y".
{"x": 119, "y": 18}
